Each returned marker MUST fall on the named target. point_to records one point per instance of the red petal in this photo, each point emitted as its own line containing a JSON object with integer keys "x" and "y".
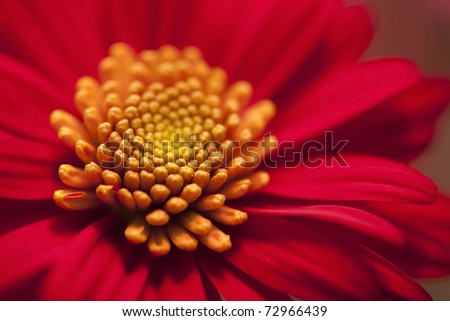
{"x": 426, "y": 252}
{"x": 400, "y": 128}
{"x": 29, "y": 169}
{"x": 64, "y": 40}
{"x": 210, "y": 289}
{"x": 233, "y": 284}
{"x": 259, "y": 34}
{"x": 346, "y": 38}
{"x": 137, "y": 270}
{"x": 26, "y": 101}
{"x": 414, "y": 237}
{"x": 347, "y": 219}
{"x": 175, "y": 277}
{"x": 107, "y": 287}
{"x": 31, "y": 249}
{"x": 342, "y": 95}
{"x": 115, "y": 24}
{"x": 79, "y": 263}
{"x": 275, "y": 40}
{"x": 311, "y": 266}
{"x": 366, "y": 178}
{"x": 17, "y": 213}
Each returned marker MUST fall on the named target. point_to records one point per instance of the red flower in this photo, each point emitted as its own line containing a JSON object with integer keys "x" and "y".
{"x": 357, "y": 232}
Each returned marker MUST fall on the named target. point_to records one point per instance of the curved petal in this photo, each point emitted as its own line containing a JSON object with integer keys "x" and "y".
{"x": 211, "y": 290}
{"x": 28, "y": 170}
{"x": 426, "y": 251}
{"x": 31, "y": 249}
{"x": 272, "y": 54}
{"x": 137, "y": 269}
{"x": 19, "y": 213}
{"x": 73, "y": 269}
{"x": 26, "y": 100}
{"x": 400, "y": 128}
{"x": 413, "y": 236}
{"x": 171, "y": 281}
{"x": 114, "y": 272}
{"x": 232, "y": 283}
{"x": 312, "y": 266}
{"x": 347, "y": 37}
{"x": 365, "y": 178}
{"x": 351, "y": 220}
{"x": 342, "y": 95}
{"x": 152, "y": 278}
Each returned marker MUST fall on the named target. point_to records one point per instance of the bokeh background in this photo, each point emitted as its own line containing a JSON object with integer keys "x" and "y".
{"x": 420, "y": 30}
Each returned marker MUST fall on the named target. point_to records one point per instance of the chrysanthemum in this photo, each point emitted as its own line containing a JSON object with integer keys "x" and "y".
{"x": 362, "y": 231}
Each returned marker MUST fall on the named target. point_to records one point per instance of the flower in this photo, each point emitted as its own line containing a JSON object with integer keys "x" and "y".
{"x": 361, "y": 231}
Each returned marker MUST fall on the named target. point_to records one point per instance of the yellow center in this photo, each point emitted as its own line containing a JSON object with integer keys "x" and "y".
{"x": 161, "y": 140}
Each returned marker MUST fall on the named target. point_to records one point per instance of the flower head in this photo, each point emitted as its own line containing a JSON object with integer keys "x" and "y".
{"x": 347, "y": 221}
{"x": 156, "y": 140}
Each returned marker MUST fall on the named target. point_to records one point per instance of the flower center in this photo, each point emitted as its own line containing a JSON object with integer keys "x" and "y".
{"x": 161, "y": 140}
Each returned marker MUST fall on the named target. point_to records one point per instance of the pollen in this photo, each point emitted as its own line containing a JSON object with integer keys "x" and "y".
{"x": 160, "y": 134}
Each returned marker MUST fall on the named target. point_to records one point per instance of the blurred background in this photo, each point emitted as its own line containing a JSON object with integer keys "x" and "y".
{"x": 420, "y": 31}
